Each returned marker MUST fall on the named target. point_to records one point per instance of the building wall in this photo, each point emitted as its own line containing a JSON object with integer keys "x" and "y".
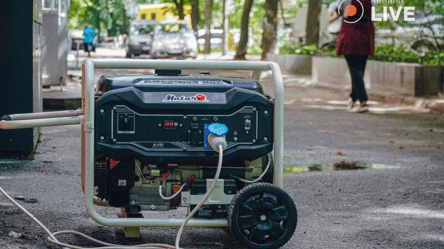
{"x": 20, "y": 73}
{"x": 300, "y": 22}
{"x": 55, "y": 42}
{"x": 160, "y": 12}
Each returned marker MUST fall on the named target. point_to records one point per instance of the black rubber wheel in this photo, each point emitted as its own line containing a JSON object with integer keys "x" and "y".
{"x": 423, "y": 46}
{"x": 262, "y": 215}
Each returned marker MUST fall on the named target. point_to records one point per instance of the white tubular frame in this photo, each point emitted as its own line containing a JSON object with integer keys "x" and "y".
{"x": 85, "y": 117}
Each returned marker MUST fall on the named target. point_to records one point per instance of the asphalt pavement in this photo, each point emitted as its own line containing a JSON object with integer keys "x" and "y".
{"x": 394, "y": 201}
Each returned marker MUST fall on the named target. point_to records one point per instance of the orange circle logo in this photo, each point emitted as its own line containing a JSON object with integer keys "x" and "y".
{"x": 350, "y": 10}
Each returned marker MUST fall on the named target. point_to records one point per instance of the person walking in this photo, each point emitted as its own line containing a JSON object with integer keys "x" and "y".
{"x": 356, "y": 41}
{"x": 88, "y": 41}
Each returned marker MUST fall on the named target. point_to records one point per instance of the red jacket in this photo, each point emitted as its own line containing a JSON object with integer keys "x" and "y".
{"x": 357, "y": 38}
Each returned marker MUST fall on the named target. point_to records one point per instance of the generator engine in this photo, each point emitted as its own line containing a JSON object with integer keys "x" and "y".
{"x": 152, "y": 130}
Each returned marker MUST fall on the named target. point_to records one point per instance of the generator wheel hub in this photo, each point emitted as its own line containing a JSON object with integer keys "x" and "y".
{"x": 262, "y": 215}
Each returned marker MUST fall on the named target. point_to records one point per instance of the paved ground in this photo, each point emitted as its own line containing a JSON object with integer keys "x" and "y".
{"x": 396, "y": 203}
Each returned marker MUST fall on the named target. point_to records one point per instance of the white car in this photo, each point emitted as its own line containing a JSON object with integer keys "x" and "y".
{"x": 216, "y": 39}
{"x": 420, "y": 37}
{"x": 173, "y": 39}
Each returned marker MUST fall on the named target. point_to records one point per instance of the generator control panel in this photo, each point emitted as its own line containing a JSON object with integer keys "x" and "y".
{"x": 155, "y": 124}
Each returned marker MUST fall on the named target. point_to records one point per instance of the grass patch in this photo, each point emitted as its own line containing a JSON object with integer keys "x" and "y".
{"x": 343, "y": 165}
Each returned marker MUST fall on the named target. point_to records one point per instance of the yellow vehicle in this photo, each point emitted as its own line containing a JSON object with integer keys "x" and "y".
{"x": 162, "y": 12}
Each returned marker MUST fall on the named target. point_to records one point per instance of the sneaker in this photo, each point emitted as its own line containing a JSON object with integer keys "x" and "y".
{"x": 350, "y": 104}
{"x": 360, "y": 109}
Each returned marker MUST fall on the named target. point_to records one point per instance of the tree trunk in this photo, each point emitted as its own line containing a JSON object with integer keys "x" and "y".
{"x": 243, "y": 41}
{"x": 180, "y": 10}
{"x": 208, "y": 10}
{"x": 195, "y": 18}
{"x": 312, "y": 28}
{"x": 179, "y": 6}
{"x": 225, "y": 28}
{"x": 124, "y": 19}
{"x": 270, "y": 27}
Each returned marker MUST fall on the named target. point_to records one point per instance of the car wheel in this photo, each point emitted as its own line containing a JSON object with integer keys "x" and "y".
{"x": 423, "y": 46}
{"x": 152, "y": 55}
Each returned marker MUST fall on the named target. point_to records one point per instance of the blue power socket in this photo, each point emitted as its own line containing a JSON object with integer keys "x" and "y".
{"x": 206, "y": 133}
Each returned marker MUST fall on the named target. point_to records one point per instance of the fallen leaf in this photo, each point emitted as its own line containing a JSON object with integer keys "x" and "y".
{"x": 347, "y": 205}
{"x": 340, "y": 154}
{"x": 381, "y": 199}
{"x": 329, "y": 153}
{"x": 309, "y": 149}
{"x": 401, "y": 147}
{"x": 28, "y": 238}
{"x": 394, "y": 151}
{"x": 318, "y": 195}
{"x": 59, "y": 173}
{"x": 405, "y": 235}
{"x": 53, "y": 147}
{"x": 378, "y": 243}
{"x": 311, "y": 145}
{"x": 337, "y": 223}
{"x": 392, "y": 142}
{"x": 303, "y": 181}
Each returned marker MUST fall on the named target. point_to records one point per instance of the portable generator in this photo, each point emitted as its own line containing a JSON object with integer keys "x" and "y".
{"x": 156, "y": 142}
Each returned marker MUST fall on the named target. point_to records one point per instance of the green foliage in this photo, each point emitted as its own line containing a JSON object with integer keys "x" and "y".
{"x": 254, "y": 50}
{"x": 400, "y": 54}
{"x": 298, "y": 49}
{"x": 105, "y": 16}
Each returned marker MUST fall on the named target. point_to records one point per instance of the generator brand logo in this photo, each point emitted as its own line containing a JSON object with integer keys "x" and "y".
{"x": 352, "y": 10}
{"x": 197, "y": 98}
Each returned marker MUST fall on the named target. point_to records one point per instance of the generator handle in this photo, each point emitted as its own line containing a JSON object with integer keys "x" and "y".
{"x": 39, "y": 115}
{"x": 88, "y": 67}
{"x": 40, "y": 122}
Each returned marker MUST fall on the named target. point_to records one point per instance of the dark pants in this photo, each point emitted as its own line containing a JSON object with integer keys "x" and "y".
{"x": 356, "y": 64}
{"x": 88, "y": 47}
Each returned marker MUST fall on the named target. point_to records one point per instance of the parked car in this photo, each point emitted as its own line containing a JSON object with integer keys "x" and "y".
{"x": 139, "y": 37}
{"x": 216, "y": 39}
{"x": 422, "y": 35}
{"x": 419, "y": 38}
{"x": 173, "y": 39}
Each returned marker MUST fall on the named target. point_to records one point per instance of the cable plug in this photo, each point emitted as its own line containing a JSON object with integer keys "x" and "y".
{"x": 191, "y": 179}
{"x": 164, "y": 176}
{"x": 216, "y": 137}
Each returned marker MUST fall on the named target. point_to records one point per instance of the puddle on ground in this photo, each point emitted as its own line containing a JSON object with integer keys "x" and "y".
{"x": 338, "y": 166}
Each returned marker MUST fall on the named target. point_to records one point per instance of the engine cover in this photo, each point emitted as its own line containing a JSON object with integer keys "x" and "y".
{"x": 164, "y": 119}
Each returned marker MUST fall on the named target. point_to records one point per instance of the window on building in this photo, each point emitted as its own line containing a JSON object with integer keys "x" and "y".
{"x": 47, "y": 4}
{"x": 153, "y": 16}
{"x": 143, "y": 16}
